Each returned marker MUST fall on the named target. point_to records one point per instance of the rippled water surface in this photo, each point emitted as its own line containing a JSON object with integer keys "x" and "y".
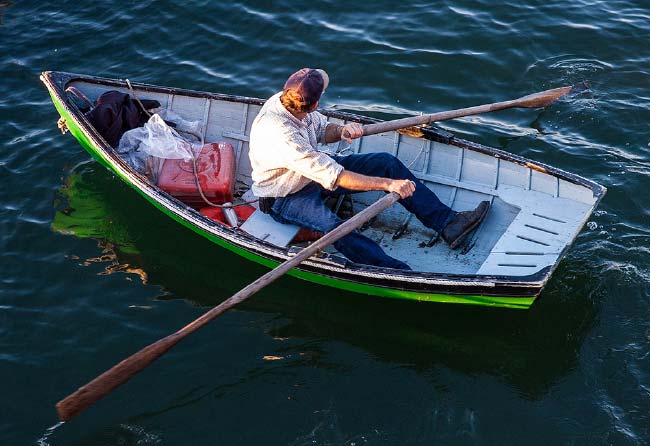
{"x": 90, "y": 272}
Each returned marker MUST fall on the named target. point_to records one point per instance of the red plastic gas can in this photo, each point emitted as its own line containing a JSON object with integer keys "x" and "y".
{"x": 215, "y": 168}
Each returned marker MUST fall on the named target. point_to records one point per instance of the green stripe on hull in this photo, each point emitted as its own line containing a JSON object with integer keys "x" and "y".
{"x": 492, "y": 301}
{"x": 521, "y": 303}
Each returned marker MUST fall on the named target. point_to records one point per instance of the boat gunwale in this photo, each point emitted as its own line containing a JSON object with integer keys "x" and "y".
{"x": 417, "y": 281}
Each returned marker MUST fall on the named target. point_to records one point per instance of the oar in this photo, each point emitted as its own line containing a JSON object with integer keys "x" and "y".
{"x": 109, "y": 380}
{"x": 535, "y": 100}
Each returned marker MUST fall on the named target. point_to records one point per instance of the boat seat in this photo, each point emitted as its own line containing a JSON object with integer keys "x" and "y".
{"x": 264, "y": 227}
{"x": 537, "y": 235}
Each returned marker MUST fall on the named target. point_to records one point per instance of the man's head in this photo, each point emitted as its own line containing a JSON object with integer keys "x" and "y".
{"x": 303, "y": 90}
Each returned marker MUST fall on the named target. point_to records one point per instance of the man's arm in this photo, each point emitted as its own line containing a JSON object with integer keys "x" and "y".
{"x": 347, "y": 132}
{"x": 356, "y": 181}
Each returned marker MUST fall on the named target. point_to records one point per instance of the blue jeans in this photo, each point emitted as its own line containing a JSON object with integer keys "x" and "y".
{"x": 306, "y": 208}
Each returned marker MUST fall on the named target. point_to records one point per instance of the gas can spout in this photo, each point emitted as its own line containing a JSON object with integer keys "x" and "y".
{"x": 230, "y": 214}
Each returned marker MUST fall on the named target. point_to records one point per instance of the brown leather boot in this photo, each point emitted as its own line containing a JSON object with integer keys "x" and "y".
{"x": 463, "y": 223}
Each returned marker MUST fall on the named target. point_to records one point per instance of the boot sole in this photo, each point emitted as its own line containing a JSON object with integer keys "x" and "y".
{"x": 456, "y": 243}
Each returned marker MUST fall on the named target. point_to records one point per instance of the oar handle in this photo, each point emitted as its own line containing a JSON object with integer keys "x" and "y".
{"x": 102, "y": 385}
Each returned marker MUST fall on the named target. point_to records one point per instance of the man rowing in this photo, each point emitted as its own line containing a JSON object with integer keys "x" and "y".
{"x": 293, "y": 178}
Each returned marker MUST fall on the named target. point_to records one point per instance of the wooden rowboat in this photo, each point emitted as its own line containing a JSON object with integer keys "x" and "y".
{"x": 537, "y": 210}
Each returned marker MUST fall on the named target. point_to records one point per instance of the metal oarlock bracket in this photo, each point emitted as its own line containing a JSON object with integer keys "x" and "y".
{"x": 403, "y": 227}
{"x": 432, "y": 241}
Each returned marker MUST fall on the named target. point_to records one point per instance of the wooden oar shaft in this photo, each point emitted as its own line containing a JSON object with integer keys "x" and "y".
{"x": 388, "y": 126}
{"x": 102, "y": 385}
{"x": 535, "y": 100}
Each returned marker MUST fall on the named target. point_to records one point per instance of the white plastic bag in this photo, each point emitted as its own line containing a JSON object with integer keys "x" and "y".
{"x": 145, "y": 148}
{"x": 179, "y": 122}
{"x": 162, "y": 141}
{"x": 129, "y": 148}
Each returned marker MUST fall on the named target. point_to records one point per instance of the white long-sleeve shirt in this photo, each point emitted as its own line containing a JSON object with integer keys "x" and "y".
{"x": 283, "y": 151}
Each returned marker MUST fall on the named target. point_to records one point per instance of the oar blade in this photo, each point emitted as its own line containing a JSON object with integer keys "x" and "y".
{"x": 543, "y": 98}
{"x": 89, "y": 394}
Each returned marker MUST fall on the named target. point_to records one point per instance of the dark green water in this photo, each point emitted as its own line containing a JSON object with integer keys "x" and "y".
{"x": 90, "y": 272}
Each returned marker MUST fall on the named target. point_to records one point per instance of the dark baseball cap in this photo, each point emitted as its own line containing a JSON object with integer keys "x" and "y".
{"x": 308, "y": 83}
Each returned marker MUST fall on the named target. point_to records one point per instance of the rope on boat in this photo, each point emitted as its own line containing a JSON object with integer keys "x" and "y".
{"x": 192, "y": 155}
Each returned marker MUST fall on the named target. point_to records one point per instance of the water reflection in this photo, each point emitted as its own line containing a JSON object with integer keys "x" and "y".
{"x": 530, "y": 350}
